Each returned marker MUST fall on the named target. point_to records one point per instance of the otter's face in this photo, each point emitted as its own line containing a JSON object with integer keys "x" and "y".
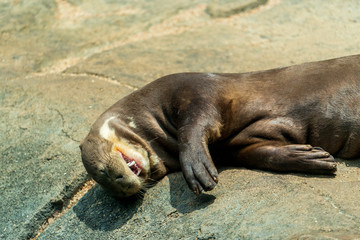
{"x": 117, "y": 165}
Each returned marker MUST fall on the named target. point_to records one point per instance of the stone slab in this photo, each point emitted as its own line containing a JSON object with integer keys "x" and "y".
{"x": 43, "y": 120}
{"x": 51, "y": 35}
{"x": 245, "y": 205}
{"x": 278, "y": 34}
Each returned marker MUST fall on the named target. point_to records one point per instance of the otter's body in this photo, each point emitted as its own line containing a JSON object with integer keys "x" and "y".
{"x": 287, "y": 119}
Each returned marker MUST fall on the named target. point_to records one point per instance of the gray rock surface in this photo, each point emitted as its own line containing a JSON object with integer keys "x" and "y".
{"x": 63, "y": 62}
{"x": 42, "y": 122}
{"x": 245, "y": 205}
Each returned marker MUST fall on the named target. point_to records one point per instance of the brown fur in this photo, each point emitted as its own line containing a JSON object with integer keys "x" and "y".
{"x": 290, "y": 119}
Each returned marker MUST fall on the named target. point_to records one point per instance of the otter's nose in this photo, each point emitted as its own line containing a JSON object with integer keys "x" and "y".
{"x": 125, "y": 182}
{"x": 119, "y": 177}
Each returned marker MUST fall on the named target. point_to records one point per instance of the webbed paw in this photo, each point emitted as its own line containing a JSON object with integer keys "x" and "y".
{"x": 198, "y": 170}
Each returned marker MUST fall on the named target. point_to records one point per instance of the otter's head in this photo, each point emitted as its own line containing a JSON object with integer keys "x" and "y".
{"x": 121, "y": 166}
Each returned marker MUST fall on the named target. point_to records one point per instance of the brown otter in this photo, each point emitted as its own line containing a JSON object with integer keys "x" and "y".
{"x": 279, "y": 119}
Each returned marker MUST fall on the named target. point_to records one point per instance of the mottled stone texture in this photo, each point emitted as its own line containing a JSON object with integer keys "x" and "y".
{"x": 63, "y": 62}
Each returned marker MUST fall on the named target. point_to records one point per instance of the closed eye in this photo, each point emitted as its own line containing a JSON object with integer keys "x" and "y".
{"x": 103, "y": 172}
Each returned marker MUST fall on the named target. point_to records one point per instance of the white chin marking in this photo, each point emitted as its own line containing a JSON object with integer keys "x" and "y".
{"x": 211, "y": 75}
{"x": 132, "y": 122}
{"x": 105, "y": 131}
{"x": 126, "y": 148}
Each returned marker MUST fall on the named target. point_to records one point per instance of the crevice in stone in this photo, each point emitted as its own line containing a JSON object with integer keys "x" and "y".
{"x": 328, "y": 199}
{"x": 101, "y": 77}
{"x": 174, "y": 214}
{"x": 336, "y": 206}
{"x": 227, "y": 10}
{"x": 167, "y": 27}
{"x": 58, "y": 206}
{"x": 63, "y": 127}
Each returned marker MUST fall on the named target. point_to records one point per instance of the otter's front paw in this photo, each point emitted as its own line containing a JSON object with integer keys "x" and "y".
{"x": 198, "y": 170}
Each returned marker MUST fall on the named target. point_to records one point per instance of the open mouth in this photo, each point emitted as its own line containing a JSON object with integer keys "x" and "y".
{"x": 131, "y": 163}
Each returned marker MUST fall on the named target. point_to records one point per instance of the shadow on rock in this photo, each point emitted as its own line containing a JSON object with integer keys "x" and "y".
{"x": 100, "y": 211}
{"x": 352, "y": 163}
{"x": 183, "y": 199}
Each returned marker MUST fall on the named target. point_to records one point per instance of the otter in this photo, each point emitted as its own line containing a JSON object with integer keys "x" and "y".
{"x": 289, "y": 119}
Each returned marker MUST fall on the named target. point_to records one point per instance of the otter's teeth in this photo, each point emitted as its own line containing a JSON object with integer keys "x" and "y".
{"x": 131, "y": 163}
{"x": 138, "y": 173}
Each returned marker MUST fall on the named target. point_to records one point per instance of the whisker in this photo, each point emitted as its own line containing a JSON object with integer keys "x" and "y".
{"x": 149, "y": 183}
{"x": 155, "y": 171}
{"x": 153, "y": 139}
{"x": 150, "y": 180}
{"x": 140, "y": 194}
